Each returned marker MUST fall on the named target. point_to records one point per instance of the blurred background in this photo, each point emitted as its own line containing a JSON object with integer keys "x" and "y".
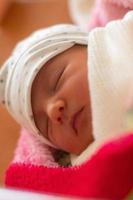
{"x": 17, "y": 20}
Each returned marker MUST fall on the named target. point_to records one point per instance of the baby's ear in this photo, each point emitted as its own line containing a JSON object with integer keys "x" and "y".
{"x": 3, "y": 81}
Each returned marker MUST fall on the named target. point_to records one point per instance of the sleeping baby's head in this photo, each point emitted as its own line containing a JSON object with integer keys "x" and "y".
{"x": 60, "y": 100}
{"x": 44, "y": 86}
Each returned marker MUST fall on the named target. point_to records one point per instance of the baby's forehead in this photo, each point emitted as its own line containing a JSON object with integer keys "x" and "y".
{"x": 65, "y": 55}
{"x": 62, "y": 59}
{"x": 52, "y": 67}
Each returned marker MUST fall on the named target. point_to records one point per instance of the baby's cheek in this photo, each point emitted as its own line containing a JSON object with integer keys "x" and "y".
{"x": 62, "y": 136}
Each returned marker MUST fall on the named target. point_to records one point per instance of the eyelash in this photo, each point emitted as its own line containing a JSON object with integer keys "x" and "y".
{"x": 59, "y": 77}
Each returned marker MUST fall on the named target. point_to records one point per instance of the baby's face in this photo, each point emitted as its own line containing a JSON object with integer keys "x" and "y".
{"x": 61, "y": 103}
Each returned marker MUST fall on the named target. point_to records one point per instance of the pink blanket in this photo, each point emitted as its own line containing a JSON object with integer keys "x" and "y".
{"x": 107, "y": 10}
{"x": 109, "y": 173}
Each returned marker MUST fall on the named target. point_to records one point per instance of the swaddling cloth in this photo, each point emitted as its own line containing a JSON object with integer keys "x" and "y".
{"x": 110, "y": 72}
{"x": 110, "y": 63}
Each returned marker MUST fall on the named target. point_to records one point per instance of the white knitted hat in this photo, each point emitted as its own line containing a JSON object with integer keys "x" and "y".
{"x": 20, "y": 70}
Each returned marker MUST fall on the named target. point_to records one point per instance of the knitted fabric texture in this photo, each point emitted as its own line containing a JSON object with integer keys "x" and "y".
{"x": 107, "y": 175}
{"x": 30, "y": 150}
{"x": 110, "y": 75}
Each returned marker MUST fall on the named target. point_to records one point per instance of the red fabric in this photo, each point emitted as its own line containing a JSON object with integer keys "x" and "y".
{"x": 109, "y": 174}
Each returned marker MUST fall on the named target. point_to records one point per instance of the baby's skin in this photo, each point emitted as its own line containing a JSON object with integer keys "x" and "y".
{"x": 61, "y": 102}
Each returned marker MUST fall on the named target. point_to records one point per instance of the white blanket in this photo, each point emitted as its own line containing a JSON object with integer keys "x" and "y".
{"x": 110, "y": 73}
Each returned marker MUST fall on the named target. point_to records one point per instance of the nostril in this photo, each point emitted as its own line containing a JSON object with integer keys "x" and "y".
{"x": 59, "y": 119}
{"x": 61, "y": 108}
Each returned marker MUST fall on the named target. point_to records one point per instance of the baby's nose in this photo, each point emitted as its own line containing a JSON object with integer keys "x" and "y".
{"x": 55, "y": 111}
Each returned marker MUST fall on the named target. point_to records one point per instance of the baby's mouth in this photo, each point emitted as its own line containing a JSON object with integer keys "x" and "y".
{"x": 75, "y": 120}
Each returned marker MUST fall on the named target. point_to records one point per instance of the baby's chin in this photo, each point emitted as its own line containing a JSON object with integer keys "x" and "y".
{"x": 80, "y": 148}
{"x": 85, "y": 144}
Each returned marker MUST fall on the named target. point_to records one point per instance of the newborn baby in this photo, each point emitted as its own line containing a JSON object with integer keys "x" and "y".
{"x": 44, "y": 81}
{"x": 68, "y": 88}
{"x": 60, "y": 101}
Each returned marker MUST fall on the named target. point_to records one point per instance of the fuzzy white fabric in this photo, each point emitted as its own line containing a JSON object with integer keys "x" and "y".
{"x": 110, "y": 74}
{"x": 20, "y": 70}
{"x": 110, "y": 62}
{"x": 80, "y": 11}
